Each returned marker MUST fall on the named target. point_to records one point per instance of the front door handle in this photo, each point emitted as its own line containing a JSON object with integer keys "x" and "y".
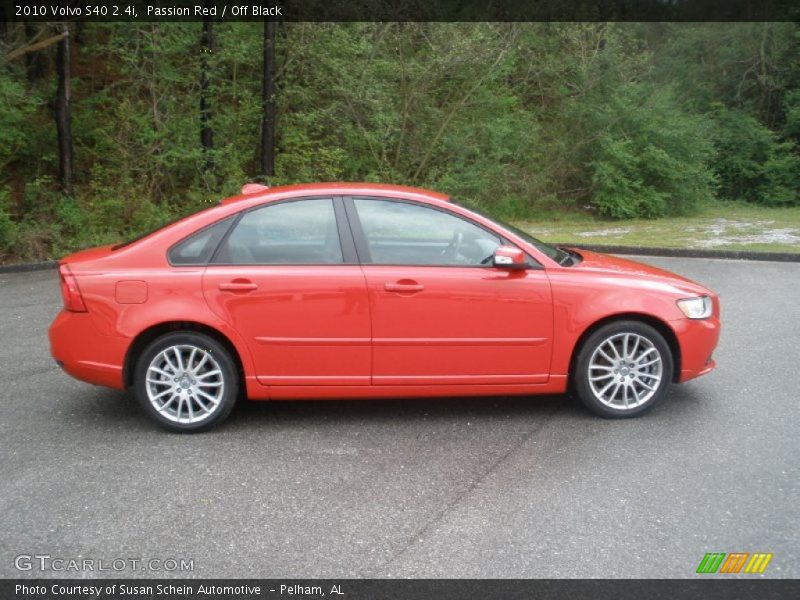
{"x": 401, "y": 287}
{"x": 238, "y": 285}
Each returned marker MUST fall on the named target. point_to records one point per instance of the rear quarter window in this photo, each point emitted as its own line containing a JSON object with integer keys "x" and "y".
{"x": 198, "y": 248}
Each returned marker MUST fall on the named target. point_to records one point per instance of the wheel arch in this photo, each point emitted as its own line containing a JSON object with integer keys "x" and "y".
{"x": 661, "y": 326}
{"x": 144, "y": 338}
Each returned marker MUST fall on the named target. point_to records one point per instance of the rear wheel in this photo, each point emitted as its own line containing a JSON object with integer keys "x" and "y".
{"x": 186, "y": 381}
{"x": 623, "y": 369}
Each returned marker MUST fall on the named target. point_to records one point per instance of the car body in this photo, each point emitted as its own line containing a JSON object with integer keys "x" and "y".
{"x": 355, "y": 291}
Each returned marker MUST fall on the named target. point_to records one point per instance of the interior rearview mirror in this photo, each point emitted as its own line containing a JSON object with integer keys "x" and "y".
{"x": 509, "y": 257}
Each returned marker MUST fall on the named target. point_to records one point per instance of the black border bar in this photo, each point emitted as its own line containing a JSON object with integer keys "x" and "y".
{"x": 400, "y": 10}
{"x": 701, "y": 587}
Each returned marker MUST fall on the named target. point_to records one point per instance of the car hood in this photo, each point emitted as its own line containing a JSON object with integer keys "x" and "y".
{"x": 604, "y": 263}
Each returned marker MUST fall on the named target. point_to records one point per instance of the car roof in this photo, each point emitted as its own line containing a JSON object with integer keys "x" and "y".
{"x": 337, "y": 188}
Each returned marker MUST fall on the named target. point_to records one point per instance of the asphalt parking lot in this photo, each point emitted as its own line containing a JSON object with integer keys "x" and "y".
{"x": 498, "y": 487}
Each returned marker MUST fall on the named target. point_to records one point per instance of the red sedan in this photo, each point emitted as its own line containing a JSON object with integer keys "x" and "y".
{"x": 366, "y": 291}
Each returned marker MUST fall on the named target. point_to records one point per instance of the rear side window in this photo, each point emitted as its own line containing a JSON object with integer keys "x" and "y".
{"x": 198, "y": 247}
{"x": 300, "y": 232}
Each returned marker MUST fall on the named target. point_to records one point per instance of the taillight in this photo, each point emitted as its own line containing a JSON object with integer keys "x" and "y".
{"x": 70, "y": 292}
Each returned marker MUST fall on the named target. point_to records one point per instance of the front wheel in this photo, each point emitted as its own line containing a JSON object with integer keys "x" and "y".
{"x": 623, "y": 369}
{"x": 186, "y": 381}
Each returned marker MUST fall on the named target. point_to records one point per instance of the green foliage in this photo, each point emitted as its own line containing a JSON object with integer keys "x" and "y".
{"x": 791, "y": 128}
{"x": 16, "y": 108}
{"x": 652, "y": 159}
{"x": 625, "y": 120}
{"x": 753, "y": 164}
{"x": 8, "y": 229}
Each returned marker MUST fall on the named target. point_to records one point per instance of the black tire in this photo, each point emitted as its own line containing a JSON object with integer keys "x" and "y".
{"x": 614, "y": 333}
{"x": 229, "y": 378}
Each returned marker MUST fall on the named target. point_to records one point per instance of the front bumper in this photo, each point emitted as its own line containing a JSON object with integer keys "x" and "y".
{"x": 86, "y": 354}
{"x": 697, "y": 339}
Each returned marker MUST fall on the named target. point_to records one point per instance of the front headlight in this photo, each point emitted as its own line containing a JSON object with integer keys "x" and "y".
{"x": 696, "y": 308}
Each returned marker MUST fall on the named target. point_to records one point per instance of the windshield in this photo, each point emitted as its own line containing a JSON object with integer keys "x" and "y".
{"x": 557, "y": 254}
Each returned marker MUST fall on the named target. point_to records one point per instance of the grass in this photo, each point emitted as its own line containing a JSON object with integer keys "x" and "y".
{"x": 720, "y": 226}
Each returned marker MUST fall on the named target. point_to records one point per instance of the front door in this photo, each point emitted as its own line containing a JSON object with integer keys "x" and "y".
{"x": 441, "y": 313}
{"x": 282, "y": 280}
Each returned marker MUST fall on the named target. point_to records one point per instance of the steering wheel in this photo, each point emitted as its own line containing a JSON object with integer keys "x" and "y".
{"x": 454, "y": 246}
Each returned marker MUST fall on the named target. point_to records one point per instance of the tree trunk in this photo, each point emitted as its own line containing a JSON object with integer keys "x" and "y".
{"x": 268, "y": 103}
{"x": 206, "y": 132}
{"x": 34, "y": 61}
{"x": 63, "y": 118}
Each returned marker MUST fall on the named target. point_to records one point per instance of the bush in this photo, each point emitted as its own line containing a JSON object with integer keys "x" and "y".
{"x": 8, "y": 229}
{"x": 17, "y": 105}
{"x": 650, "y": 158}
{"x": 752, "y": 163}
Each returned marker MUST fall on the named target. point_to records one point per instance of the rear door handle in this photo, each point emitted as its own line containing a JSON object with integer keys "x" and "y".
{"x": 238, "y": 285}
{"x": 403, "y": 287}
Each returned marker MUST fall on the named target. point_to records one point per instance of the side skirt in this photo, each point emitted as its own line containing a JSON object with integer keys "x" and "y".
{"x": 557, "y": 384}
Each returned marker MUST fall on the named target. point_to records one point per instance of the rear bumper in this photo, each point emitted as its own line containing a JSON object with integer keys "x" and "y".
{"x": 697, "y": 339}
{"x": 84, "y": 353}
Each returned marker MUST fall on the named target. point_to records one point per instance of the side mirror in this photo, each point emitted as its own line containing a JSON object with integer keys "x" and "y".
{"x": 509, "y": 257}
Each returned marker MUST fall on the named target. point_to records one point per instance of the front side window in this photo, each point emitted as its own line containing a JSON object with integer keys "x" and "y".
{"x": 400, "y": 233}
{"x": 557, "y": 254}
{"x": 301, "y": 232}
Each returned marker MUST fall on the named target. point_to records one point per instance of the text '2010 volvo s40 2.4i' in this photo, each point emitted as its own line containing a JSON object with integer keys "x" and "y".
{"x": 368, "y": 291}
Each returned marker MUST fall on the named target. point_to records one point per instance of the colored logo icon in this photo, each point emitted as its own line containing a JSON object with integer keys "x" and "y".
{"x": 735, "y": 562}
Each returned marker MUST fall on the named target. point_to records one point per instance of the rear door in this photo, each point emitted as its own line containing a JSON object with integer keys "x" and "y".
{"x": 286, "y": 277}
{"x": 441, "y": 313}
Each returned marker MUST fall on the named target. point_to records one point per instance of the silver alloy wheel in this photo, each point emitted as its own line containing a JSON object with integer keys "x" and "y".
{"x": 185, "y": 383}
{"x": 625, "y": 371}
